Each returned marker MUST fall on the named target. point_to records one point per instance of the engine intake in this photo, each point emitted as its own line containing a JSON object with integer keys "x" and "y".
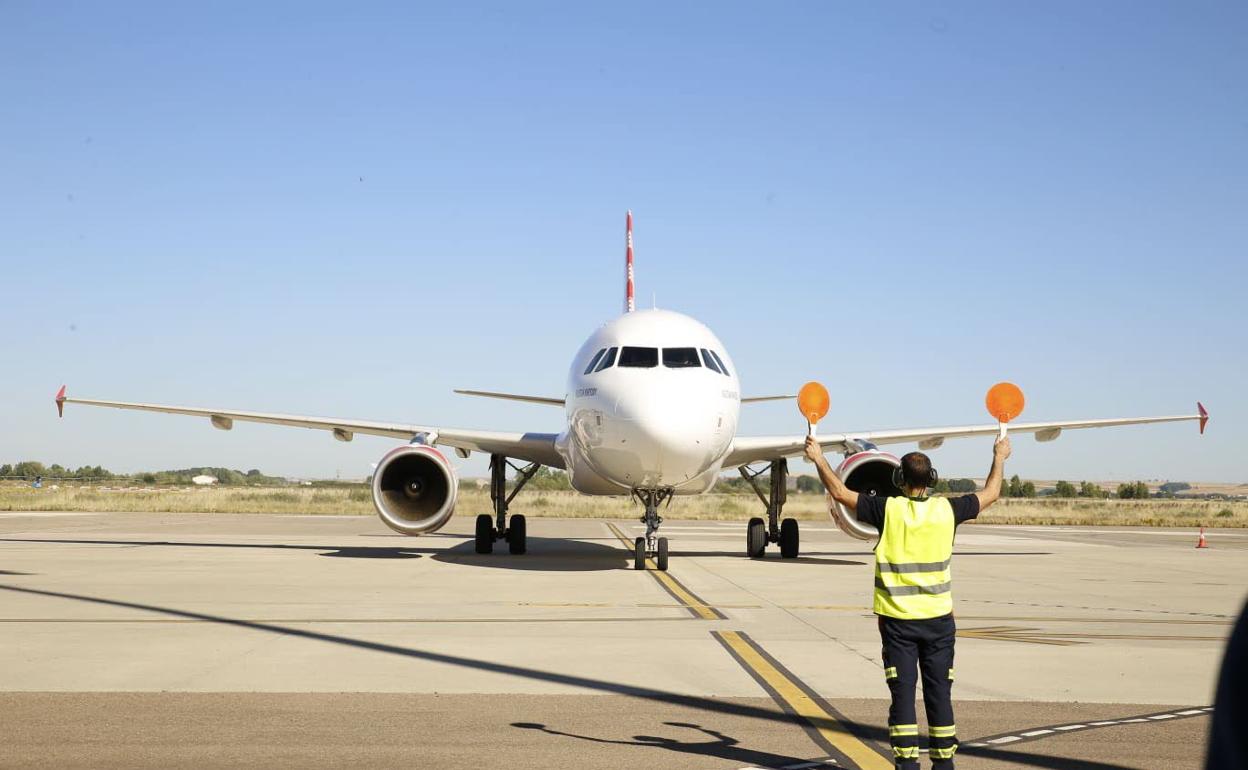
{"x": 414, "y": 489}
{"x": 867, "y": 473}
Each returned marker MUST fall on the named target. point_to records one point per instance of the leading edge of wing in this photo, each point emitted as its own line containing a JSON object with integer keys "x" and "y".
{"x": 534, "y": 447}
{"x": 752, "y": 449}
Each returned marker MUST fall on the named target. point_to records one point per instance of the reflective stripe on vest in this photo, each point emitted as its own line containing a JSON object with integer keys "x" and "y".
{"x": 912, "y": 576}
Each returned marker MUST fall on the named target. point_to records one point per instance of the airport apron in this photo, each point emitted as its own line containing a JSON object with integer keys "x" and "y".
{"x": 914, "y": 602}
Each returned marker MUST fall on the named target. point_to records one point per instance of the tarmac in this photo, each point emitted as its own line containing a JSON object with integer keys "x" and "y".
{"x": 212, "y": 640}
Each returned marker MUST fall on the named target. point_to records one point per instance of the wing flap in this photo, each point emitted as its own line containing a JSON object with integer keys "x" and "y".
{"x": 754, "y": 449}
{"x": 533, "y": 447}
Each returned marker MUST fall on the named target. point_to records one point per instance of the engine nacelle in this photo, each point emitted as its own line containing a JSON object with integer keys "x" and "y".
{"x": 867, "y": 473}
{"x": 414, "y": 489}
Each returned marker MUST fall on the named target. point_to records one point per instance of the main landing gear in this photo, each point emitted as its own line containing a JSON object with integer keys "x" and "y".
{"x": 491, "y": 529}
{"x": 759, "y": 533}
{"x": 651, "y": 544}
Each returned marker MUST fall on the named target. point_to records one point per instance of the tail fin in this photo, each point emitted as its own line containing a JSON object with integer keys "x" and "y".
{"x": 629, "y": 305}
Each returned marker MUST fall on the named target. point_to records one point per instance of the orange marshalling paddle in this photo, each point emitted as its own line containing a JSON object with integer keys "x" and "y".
{"x": 1005, "y": 402}
{"x": 813, "y": 403}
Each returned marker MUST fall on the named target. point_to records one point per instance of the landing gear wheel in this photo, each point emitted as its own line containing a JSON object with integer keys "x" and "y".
{"x": 516, "y": 534}
{"x": 485, "y": 533}
{"x": 661, "y": 557}
{"x": 789, "y": 539}
{"x": 755, "y": 538}
{"x": 639, "y": 553}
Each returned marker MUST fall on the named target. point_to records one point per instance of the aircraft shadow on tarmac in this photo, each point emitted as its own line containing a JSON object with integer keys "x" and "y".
{"x": 545, "y": 554}
{"x": 721, "y": 746}
{"x": 351, "y": 552}
{"x": 708, "y": 705}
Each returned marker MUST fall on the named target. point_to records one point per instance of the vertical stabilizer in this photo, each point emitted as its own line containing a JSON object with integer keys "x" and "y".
{"x": 629, "y": 305}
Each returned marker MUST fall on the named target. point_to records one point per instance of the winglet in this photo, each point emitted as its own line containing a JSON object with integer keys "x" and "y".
{"x": 60, "y": 402}
{"x": 1204, "y": 416}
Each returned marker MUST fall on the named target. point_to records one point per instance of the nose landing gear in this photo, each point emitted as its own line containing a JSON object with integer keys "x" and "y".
{"x": 651, "y": 543}
{"x": 489, "y": 530}
{"x": 759, "y": 533}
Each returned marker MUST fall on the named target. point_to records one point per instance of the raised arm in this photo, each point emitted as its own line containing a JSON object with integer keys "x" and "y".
{"x": 996, "y": 475}
{"x": 840, "y": 493}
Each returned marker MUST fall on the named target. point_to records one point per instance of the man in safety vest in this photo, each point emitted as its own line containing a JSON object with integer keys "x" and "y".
{"x": 913, "y": 592}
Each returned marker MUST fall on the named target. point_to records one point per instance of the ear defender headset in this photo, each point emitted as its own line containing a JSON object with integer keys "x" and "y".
{"x": 899, "y": 479}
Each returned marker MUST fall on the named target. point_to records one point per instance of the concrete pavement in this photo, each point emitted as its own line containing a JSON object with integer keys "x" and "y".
{"x": 159, "y": 639}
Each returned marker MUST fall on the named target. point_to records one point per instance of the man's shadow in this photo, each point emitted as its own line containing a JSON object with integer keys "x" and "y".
{"x": 721, "y": 746}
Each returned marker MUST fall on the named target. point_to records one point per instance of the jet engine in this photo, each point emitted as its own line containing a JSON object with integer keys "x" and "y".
{"x": 414, "y": 489}
{"x": 867, "y": 473}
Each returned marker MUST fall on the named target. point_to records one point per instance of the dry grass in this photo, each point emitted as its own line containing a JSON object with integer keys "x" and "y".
{"x": 358, "y": 501}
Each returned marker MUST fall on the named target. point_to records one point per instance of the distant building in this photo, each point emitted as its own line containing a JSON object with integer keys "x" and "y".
{"x": 204, "y": 481}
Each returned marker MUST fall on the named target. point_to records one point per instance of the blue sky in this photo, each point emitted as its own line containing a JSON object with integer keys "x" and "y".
{"x": 352, "y": 209}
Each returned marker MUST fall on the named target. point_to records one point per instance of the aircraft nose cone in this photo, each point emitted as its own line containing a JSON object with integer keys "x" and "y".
{"x": 674, "y": 443}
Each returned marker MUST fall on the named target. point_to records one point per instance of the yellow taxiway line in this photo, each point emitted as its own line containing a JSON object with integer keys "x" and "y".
{"x": 687, "y": 598}
{"x": 784, "y": 687}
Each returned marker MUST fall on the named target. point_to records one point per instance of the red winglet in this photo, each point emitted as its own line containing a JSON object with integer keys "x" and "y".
{"x": 1204, "y": 417}
{"x": 60, "y": 402}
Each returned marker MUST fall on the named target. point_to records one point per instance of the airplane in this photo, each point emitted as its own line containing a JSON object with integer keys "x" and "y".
{"x": 650, "y": 408}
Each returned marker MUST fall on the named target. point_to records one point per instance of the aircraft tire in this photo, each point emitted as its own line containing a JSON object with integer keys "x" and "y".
{"x": 789, "y": 539}
{"x": 485, "y": 533}
{"x": 755, "y": 538}
{"x": 517, "y": 535}
{"x": 661, "y": 557}
{"x": 639, "y": 553}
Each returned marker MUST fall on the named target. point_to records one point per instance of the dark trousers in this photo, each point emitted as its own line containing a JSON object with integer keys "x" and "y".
{"x": 925, "y": 645}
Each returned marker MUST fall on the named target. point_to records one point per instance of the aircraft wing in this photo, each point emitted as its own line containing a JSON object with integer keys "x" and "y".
{"x": 533, "y": 447}
{"x": 746, "y": 450}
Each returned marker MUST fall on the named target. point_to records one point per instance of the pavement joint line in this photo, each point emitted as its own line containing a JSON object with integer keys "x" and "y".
{"x": 343, "y": 621}
{"x": 1041, "y": 732}
{"x": 677, "y": 590}
{"x": 826, "y": 726}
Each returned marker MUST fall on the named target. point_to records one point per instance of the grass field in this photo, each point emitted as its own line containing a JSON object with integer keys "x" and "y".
{"x": 357, "y": 500}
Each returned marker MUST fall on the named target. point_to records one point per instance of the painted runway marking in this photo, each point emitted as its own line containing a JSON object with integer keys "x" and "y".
{"x": 1130, "y": 621}
{"x": 1152, "y": 611}
{"x": 677, "y": 590}
{"x": 1040, "y": 732}
{"x": 1063, "y": 638}
{"x": 830, "y": 729}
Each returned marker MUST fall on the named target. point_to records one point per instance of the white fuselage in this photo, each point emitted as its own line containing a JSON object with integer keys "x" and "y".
{"x": 656, "y": 417}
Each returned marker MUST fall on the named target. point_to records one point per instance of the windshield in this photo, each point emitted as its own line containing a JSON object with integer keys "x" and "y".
{"x": 607, "y": 360}
{"x": 644, "y": 358}
{"x": 680, "y": 358}
{"x": 594, "y": 361}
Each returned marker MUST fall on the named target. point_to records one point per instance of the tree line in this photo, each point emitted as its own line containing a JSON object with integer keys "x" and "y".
{"x": 30, "y": 470}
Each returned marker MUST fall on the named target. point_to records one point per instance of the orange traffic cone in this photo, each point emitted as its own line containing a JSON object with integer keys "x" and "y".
{"x": 1202, "y": 542}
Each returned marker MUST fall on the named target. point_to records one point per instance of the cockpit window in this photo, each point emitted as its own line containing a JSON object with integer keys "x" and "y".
{"x": 710, "y": 362}
{"x": 720, "y": 361}
{"x": 594, "y": 361}
{"x": 644, "y": 358}
{"x": 607, "y": 360}
{"x": 680, "y": 358}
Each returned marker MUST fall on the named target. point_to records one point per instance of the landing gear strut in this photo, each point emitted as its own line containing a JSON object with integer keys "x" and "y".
{"x": 491, "y": 529}
{"x": 759, "y": 533}
{"x": 651, "y": 543}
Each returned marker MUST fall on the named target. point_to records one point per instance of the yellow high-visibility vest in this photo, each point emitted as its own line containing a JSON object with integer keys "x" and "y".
{"x": 912, "y": 576}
